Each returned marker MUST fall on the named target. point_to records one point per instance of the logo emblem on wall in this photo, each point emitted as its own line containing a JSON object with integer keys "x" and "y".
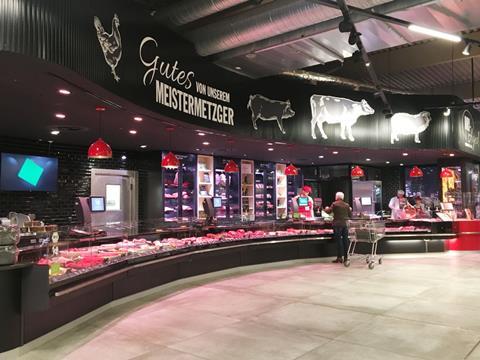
{"x": 471, "y": 139}
{"x": 335, "y": 110}
{"x": 408, "y": 124}
{"x": 111, "y": 44}
{"x": 269, "y": 110}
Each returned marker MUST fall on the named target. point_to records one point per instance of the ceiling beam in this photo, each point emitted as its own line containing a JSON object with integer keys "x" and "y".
{"x": 426, "y": 54}
{"x": 313, "y": 30}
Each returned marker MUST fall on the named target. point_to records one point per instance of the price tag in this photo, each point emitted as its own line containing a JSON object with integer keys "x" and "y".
{"x": 54, "y": 268}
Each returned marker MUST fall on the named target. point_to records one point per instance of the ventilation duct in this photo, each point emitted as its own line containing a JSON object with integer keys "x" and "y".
{"x": 187, "y": 11}
{"x": 265, "y": 21}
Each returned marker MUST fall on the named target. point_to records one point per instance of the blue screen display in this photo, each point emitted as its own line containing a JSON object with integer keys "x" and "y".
{"x": 303, "y": 201}
{"x": 28, "y": 173}
{"x": 217, "y": 202}
{"x": 97, "y": 203}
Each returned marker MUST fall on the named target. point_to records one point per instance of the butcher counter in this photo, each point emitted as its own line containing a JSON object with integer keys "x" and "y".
{"x": 56, "y": 283}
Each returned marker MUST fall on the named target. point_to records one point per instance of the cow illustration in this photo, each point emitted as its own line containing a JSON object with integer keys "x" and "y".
{"x": 335, "y": 110}
{"x": 266, "y": 109}
{"x": 408, "y": 124}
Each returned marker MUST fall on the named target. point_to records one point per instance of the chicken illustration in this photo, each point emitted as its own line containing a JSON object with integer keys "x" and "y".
{"x": 111, "y": 44}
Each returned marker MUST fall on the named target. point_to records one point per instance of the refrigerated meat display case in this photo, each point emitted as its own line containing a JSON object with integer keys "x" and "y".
{"x": 179, "y": 189}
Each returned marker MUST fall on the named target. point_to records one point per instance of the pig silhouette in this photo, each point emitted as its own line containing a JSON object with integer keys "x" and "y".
{"x": 269, "y": 110}
{"x": 408, "y": 124}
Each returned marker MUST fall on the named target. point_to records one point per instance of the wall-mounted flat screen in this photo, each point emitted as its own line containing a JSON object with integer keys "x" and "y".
{"x": 217, "y": 202}
{"x": 97, "y": 204}
{"x": 366, "y": 201}
{"x": 28, "y": 173}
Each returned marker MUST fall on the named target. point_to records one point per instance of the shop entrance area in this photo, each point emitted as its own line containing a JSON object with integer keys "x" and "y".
{"x": 119, "y": 189}
{"x": 413, "y": 307}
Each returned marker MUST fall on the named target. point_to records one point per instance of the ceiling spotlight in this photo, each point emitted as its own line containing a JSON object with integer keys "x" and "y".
{"x": 368, "y": 159}
{"x": 206, "y": 143}
{"x": 451, "y": 154}
{"x": 335, "y": 152}
{"x": 368, "y": 63}
{"x": 404, "y": 154}
{"x": 201, "y": 134}
{"x": 143, "y": 146}
{"x": 133, "y": 132}
{"x": 321, "y": 156}
{"x": 270, "y": 149}
{"x": 55, "y": 132}
{"x": 447, "y": 112}
{"x": 197, "y": 149}
{"x": 466, "y": 51}
{"x": 238, "y": 68}
{"x": 434, "y": 33}
{"x": 387, "y": 162}
{"x": 269, "y": 144}
{"x": 401, "y": 164}
{"x": 124, "y": 157}
{"x": 64, "y": 91}
{"x": 138, "y": 118}
{"x": 60, "y": 116}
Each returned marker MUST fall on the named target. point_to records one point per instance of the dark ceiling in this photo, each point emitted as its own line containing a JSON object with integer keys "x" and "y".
{"x": 30, "y": 100}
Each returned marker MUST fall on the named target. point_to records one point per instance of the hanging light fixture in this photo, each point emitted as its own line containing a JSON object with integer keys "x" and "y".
{"x": 291, "y": 170}
{"x": 357, "y": 171}
{"x": 231, "y": 166}
{"x": 170, "y": 161}
{"x": 446, "y": 173}
{"x": 99, "y": 149}
{"x": 416, "y": 172}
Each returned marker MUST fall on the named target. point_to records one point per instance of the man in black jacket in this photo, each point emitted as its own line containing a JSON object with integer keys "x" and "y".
{"x": 341, "y": 213}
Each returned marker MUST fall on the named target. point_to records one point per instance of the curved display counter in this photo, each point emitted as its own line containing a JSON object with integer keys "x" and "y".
{"x": 36, "y": 303}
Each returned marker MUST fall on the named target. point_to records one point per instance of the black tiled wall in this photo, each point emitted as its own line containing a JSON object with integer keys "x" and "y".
{"x": 73, "y": 179}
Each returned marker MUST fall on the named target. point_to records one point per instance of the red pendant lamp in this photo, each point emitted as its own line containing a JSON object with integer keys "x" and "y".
{"x": 231, "y": 166}
{"x": 416, "y": 172}
{"x": 446, "y": 173}
{"x": 170, "y": 161}
{"x": 99, "y": 149}
{"x": 357, "y": 171}
{"x": 291, "y": 170}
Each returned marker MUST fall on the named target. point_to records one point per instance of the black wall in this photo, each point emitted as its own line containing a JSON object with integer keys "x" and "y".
{"x": 74, "y": 180}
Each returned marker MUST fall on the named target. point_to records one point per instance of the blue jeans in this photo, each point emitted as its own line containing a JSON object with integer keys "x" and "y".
{"x": 340, "y": 234}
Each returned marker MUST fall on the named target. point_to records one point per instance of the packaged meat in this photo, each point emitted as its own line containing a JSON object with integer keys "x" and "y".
{"x": 8, "y": 255}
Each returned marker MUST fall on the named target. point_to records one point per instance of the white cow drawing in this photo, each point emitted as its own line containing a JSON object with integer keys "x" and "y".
{"x": 335, "y": 110}
{"x": 408, "y": 124}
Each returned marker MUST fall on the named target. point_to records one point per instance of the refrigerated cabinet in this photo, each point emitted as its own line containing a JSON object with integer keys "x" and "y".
{"x": 227, "y": 188}
{"x": 265, "y": 190}
{"x": 179, "y": 189}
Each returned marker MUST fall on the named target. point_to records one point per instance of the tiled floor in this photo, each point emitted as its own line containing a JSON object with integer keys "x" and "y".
{"x": 411, "y": 307}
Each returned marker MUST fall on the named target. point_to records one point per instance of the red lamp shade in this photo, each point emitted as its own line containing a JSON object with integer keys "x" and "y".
{"x": 231, "y": 167}
{"x": 416, "y": 172}
{"x": 357, "y": 171}
{"x": 291, "y": 170}
{"x": 170, "y": 161}
{"x": 99, "y": 150}
{"x": 446, "y": 173}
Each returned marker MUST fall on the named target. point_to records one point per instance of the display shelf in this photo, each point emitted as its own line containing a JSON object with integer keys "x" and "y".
{"x": 227, "y": 188}
{"x": 281, "y": 191}
{"x": 247, "y": 190}
{"x": 205, "y": 178}
{"x": 179, "y": 188}
{"x": 265, "y": 180}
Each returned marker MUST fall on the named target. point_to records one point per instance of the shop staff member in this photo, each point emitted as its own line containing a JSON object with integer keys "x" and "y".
{"x": 397, "y": 204}
{"x": 303, "y": 203}
{"x": 341, "y": 213}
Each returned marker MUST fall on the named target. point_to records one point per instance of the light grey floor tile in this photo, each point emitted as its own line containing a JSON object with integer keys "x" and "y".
{"x": 413, "y": 338}
{"x": 322, "y": 320}
{"x": 356, "y": 300}
{"x": 248, "y": 341}
{"x": 337, "y": 350}
{"x": 166, "y": 354}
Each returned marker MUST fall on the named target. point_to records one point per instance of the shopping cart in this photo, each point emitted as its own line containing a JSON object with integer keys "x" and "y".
{"x": 365, "y": 231}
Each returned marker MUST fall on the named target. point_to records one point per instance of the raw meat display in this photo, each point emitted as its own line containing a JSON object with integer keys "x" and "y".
{"x": 83, "y": 259}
